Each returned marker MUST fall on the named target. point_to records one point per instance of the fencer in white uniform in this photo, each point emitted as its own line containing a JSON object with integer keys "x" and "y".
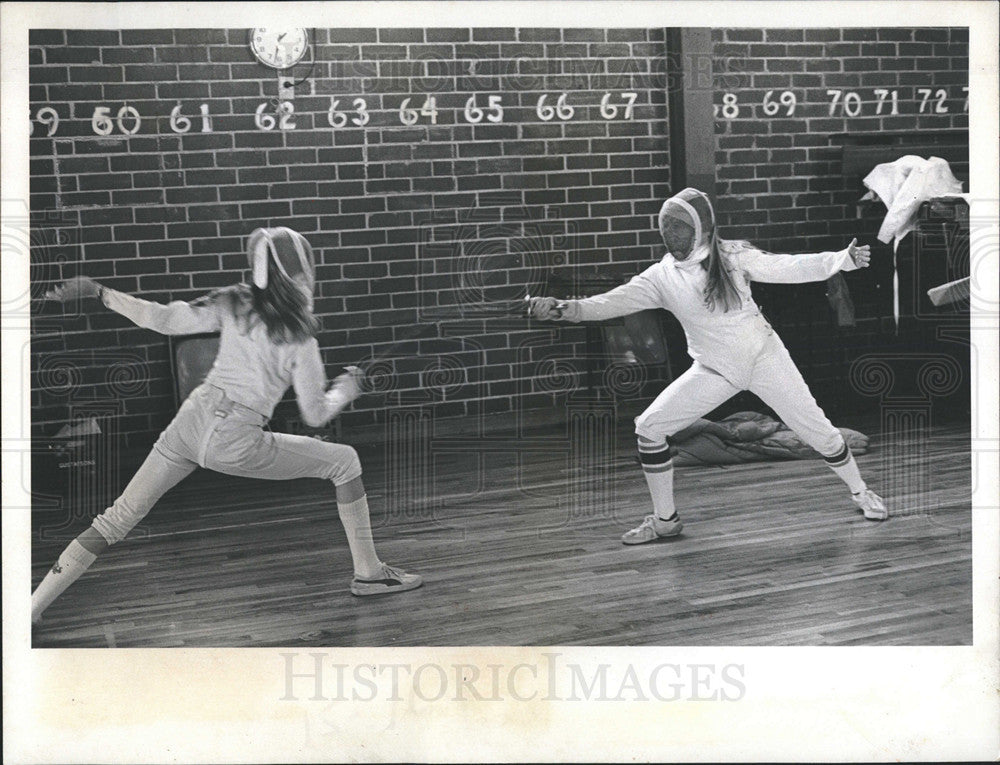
{"x": 705, "y": 282}
{"x": 267, "y": 344}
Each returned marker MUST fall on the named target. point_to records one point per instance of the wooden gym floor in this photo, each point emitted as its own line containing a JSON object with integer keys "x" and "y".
{"x": 772, "y": 553}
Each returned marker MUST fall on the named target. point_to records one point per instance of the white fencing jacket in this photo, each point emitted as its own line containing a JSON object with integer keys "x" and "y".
{"x": 726, "y": 342}
{"x": 252, "y": 369}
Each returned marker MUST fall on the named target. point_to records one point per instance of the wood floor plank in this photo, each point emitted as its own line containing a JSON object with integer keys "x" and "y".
{"x": 528, "y": 553}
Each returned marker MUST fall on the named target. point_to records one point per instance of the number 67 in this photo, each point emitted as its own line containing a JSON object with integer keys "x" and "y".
{"x": 609, "y": 111}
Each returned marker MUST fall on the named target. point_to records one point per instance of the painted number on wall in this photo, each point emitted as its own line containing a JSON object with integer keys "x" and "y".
{"x": 786, "y": 99}
{"x": 47, "y": 116}
{"x": 938, "y": 100}
{"x": 549, "y": 107}
{"x": 102, "y": 123}
{"x": 181, "y": 124}
{"x": 609, "y": 111}
{"x": 266, "y": 121}
{"x": 493, "y": 113}
{"x": 546, "y": 112}
{"x": 850, "y": 105}
{"x": 408, "y": 116}
{"x": 271, "y": 115}
{"x": 882, "y": 94}
{"x": 338, "y": 119}
{"x": 842, "y": 103}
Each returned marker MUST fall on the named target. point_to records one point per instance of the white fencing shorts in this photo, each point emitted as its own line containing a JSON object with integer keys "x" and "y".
{"x": 774, "y": 378}
{"x": 221, "y": 435}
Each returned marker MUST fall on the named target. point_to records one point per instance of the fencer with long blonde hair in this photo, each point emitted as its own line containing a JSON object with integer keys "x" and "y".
{"x": 267, "y": 344}
{"x": 704, "y": 281}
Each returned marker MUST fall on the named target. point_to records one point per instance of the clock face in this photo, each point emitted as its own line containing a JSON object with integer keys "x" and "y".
{"x": 278, "y": 48}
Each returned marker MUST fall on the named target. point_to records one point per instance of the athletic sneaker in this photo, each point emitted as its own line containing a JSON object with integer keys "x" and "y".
{"x": 653, "y": 528}
{"x": 871, "y": 505}
{"x": 392, "y": 580}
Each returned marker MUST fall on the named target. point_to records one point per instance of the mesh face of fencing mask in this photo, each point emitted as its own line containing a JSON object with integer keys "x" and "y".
{"x": 693, "y": 209}
{"x": 290, "y": 252}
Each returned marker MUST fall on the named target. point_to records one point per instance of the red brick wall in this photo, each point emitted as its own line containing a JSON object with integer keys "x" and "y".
{"x": 407, "y": 219}
{"x": 781, "y": 184}
{"x": 396, "y": 213}
{"x": 779, "y": 174}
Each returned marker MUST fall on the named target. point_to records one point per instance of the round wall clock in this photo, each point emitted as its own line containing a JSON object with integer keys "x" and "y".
{"x": 279, "y": 48}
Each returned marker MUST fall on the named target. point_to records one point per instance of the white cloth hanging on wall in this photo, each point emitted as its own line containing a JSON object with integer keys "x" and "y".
{"x": 903, "y": 185}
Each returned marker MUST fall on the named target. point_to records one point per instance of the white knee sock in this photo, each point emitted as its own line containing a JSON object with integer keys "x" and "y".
{"x": 842, "y": 463}
{"x": 358, "y": 527}
{"x": 658, "y": 467}
{"x": 74, "y": 560}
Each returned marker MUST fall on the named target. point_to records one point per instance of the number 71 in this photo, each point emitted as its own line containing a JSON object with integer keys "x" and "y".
{"x": 881, "y": 94}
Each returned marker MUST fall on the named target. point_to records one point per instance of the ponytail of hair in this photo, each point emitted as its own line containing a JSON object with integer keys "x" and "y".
{"x": 720, "y": 289}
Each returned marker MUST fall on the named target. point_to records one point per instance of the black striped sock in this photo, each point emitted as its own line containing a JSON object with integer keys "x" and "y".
{"x": 842, "y": 463}
{"x": 657, "y": 459}
{"x": 839, "y": 459}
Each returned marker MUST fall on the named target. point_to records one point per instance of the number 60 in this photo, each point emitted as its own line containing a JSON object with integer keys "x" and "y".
{"x": 102, "y": 124}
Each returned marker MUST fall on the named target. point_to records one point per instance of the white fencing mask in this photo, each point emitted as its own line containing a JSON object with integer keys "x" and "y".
{"x": 289, "y": 250}
{"x": 693, "y": 208}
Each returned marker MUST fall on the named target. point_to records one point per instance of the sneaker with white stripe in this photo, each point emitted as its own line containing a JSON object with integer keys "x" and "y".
{"x": 652, "y": 528}
{"x": 387, "y": 582}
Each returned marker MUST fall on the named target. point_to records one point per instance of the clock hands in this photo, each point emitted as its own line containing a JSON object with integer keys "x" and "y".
{"x": 280, "y": 45}
{"x": 280, "y": 49}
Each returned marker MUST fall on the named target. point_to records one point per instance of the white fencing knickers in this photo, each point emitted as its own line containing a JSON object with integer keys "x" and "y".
{"x": 221, "y": 435}
{"x": 774, "y": 378}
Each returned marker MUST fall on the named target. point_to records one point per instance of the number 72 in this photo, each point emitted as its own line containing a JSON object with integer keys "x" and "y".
{"x": 940, "y": 95}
